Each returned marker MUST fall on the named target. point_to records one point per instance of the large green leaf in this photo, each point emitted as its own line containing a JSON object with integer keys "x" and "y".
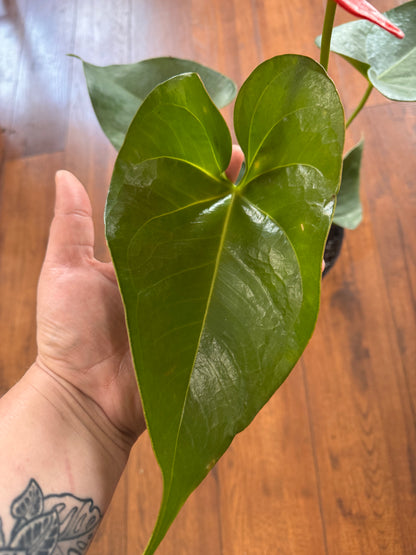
{"x": 348, "y": 212}
{"x": 221, "y": 282}
{"x": 117, "y": 91}
{"x": 387, "y": 62}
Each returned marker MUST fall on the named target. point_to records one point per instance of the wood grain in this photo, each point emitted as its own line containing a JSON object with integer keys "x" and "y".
{"x": 329, "y": 465}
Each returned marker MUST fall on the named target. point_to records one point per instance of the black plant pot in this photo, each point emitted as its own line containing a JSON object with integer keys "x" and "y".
{"x": 333, "y": 246}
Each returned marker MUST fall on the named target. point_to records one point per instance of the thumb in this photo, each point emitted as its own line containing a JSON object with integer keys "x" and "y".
{"x": 71, "y": 237}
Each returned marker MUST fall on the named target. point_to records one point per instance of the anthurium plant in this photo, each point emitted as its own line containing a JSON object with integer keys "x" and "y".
{"x": 221, "y": 280}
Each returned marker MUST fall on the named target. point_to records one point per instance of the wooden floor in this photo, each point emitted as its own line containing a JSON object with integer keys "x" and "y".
{"x": 329, "y": 465}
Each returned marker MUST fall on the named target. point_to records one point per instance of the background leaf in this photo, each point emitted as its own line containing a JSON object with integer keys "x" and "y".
{"x": 387, "y": 62}
{"x": 117, "y": 91}
{"x": 393, "y": 62}
{"x": 220, "y": 283}
{"x": 348, "y": 211}
{"x": 348, "y": 40}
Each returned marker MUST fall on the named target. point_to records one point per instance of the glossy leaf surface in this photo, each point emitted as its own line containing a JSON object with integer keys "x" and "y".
{"x": 387, "y": 62}
{"x": 348, "y": 211}
{"x": 117, "y": 91}
{"x": 221, "y": 282}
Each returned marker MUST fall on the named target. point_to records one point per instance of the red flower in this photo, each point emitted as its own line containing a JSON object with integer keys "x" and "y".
{"x": 362, "y": 8}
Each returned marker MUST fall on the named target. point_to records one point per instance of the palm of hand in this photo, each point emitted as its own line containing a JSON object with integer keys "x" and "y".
{"x": 81, "y": 335}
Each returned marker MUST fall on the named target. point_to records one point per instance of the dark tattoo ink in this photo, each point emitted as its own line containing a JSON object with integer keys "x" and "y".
{"x": 50, "y": 525}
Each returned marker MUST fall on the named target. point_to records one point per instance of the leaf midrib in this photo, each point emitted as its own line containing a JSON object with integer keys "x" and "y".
{"x": 210, "y": 294}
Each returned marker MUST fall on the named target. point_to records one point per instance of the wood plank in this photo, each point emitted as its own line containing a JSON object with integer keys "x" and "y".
{"x": 269, "y": 490}
{"x": 45, "y": 35}
{"x": 365, "y": 336}
{"x": 25, "y": 212}
{"x": 11, "y": 41}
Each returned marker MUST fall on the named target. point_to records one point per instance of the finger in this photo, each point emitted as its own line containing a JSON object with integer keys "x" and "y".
{"x": 237, "y": 158}
{"x": 71, "y": 237}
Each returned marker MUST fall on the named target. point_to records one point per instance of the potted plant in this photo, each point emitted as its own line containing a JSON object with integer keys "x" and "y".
{"x": 221, "y": 281}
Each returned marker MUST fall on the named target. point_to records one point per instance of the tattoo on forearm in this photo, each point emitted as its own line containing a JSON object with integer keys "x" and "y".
{"x": 50, "y": 525}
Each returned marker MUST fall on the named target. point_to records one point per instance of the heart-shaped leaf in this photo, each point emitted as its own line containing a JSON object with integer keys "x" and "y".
{"x": 117, "y": 91}
{"x": 221, "y": 282}
{"x": 387, "y": 62}
{"x": 348, "y": 211}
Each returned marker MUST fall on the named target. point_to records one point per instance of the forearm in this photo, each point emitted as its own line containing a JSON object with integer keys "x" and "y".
{"x": 51, "y": 434}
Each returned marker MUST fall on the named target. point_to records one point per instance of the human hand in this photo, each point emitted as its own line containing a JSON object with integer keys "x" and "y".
{"x": 81, "y": 333}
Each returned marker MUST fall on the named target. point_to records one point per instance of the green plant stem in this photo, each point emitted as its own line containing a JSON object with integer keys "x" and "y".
{"x": 327, "y": 32}
{"x": 360, "y": 105}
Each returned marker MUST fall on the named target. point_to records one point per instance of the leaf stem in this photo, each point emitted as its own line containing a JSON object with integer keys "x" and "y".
{"x": 331, "y": 6}
{"x": 360, "y": 105}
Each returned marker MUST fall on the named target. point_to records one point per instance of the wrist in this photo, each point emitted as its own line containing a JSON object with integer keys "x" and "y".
{"x": 62, "y": 434}
{"x": 79, "y": 412}
{"x": 53, "y": 441}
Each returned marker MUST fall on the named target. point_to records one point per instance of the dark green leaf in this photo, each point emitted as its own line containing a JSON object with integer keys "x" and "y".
{"x": 348, "y": 212}
{"x": 387, "y": 62}
{"x": 117, "y": 91}
{"x": 221, "y": 282}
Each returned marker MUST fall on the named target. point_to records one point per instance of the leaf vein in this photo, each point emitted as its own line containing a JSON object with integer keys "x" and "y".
{"x": 220, "y": 249}
{"x": 290, "y": 165}
{"x": 288, "y": 114}
{"x": 398, "y": 62}
{"x": 147, "y": 222}
{"x": 170, "y": 276}
{"x": 202, "y": 126}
